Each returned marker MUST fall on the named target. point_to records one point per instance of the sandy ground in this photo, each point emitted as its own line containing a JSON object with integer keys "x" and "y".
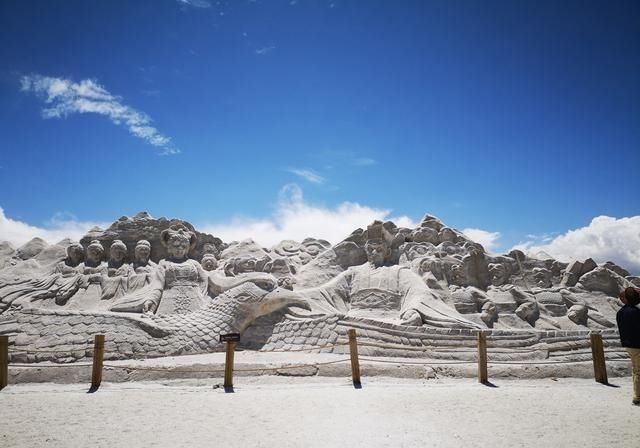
{"x": 322, "y": 411}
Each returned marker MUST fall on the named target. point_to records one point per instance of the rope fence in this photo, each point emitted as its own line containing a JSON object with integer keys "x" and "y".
{"x": 98, "y": 350}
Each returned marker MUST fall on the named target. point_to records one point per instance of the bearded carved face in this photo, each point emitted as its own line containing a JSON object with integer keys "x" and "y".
{"x": 498, "y": 273}
{"x": 377, "y": 252}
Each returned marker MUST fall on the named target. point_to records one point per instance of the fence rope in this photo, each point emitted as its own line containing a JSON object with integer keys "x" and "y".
{"x": 315, "y": 347}
{"x": 13, "y": 350}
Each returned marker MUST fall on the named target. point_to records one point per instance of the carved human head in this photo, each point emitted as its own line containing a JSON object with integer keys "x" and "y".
{"x": 75, "y": 253}
{"x": 457, "y": 274}
{"x": 378, "y": 244}
{"x": 118, "y": 250}
{"x": 489, "y": 313}
{"x": 178, "y": 240}
{"x": 95, "y": 250}
{"x": 578, "y": 314}
{"x": 209, "y": 262}
{"x": 142, "y": 251}
{"x": 528, "y": 312}
{"x": 428, "y": 265}
{"x": 498, "y": 273}
{"x": 543, "y": 277}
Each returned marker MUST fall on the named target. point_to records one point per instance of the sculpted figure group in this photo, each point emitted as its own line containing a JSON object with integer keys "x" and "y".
{"x": 431, "y": 275}
{"x": 85, "y": 281}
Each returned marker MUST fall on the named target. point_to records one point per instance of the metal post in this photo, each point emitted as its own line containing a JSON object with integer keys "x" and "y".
{"x": 355, "y": 363}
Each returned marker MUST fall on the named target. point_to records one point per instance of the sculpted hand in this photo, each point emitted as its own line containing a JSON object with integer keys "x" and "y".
{"x": 95, "y": 278}
{"x": 411, "y": 317}
{"x": 147, "y": 307}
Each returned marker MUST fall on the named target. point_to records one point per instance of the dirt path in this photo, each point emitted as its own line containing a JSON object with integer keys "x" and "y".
{"x": 321, "y": 412}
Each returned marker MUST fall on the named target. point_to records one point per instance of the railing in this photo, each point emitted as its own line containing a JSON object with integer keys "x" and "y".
{"x": 482, "y": 361}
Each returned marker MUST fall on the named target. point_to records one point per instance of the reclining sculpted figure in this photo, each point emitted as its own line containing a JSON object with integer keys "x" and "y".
{"x": 379, "y": 291}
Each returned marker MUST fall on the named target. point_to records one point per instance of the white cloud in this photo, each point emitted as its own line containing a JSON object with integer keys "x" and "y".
{"x": 59, "y": 227}
{"x": 308, "y": 175}
{"x": 604, "y": 239}
{"x": 66, "y": 97}
{"x": 265, "y": 50}
{"x": 487, "y": 239}
{"x": 296, "y": 219}
{"x": 195, "y": 3}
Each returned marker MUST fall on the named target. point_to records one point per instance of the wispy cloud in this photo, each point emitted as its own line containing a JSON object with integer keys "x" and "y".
{"x": 195, "y": 3}
{"x": 489, "y": 240}
{"x": 603, "y": 239}
{"x": 65, "y": 97}
{"x": 60, "y": 226}
{"x": 308, "y": 175}
{"x": 295, "y": 218}
{"x": 265, "y": 50}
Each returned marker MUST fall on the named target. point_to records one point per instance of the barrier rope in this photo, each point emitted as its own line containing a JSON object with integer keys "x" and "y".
{"x": 13, "y": 350}
{"x": 256, "y": 369}
{"x": 386, "y": 361}
{"x": 436, "y": 348}
{"x": 298, "y": 366}
{"x": 315, "y": 347}
{"x": 48, "y": 365}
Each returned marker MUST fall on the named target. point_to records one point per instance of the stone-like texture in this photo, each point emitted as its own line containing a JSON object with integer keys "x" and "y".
{"x": 542, "y": 304}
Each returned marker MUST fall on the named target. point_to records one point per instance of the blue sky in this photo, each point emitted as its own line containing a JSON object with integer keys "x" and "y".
{"x": 518, "y": 118}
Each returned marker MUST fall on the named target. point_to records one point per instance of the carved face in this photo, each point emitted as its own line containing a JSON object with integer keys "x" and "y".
{"x": 117, "y": 252}
{"x": 489, "y": 313}
{"x": 377, "y": 252}
{"x": 75, "y": 254}
{"x": 209, "y": 263}
{"x": 528, "y": 312}
{"x": 94, "y": 253}
{"x": 142, "y": 253}
{"x": 499, "y": 275}
{"x": 456, "y": 274}
{"x": 542, "y": 277}
{"x": 578, "y": 314}
{"x": 428, "y": 265}
{"x": 178, "y": 245}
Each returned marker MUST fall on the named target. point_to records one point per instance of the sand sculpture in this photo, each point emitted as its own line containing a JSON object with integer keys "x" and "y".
{"x": 158, "y": 287}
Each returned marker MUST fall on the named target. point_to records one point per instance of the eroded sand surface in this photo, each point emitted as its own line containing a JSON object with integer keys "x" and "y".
{"x": 321, "y": 412}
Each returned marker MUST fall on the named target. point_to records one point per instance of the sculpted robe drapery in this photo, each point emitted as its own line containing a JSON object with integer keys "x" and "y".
{"x": 175, "y": 288}
{"x": 183, "y": 287}
{"x": 381, "y": 293}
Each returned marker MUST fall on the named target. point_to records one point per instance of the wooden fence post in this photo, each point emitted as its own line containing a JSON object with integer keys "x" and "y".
{"x": 98, "y": 357}
{"x": 355, "y": 363}
{"x": 483, "y": 376}
{"x": 599, "y": 365}
{"x": 4, "y": 361}
{"x": 228, "y": 365}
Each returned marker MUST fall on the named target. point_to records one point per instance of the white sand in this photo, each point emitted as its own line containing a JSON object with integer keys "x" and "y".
{"x": 319, "y": 412}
